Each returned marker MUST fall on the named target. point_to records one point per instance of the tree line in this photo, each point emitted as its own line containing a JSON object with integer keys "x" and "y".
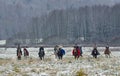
{"x": 87, "y": 24}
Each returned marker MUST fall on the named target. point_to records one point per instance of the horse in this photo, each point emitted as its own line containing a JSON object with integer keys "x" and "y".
{"x": 19, "y": 53}
{"x": 41, "y": 53}
{"x": 76, "y": 52}
{"x": 107, "y": 52}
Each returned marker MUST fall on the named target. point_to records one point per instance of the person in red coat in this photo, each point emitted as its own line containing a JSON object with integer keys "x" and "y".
{"x": 76, "y": 52}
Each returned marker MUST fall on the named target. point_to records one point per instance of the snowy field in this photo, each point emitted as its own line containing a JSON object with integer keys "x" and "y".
{"x": 33, "y": 66}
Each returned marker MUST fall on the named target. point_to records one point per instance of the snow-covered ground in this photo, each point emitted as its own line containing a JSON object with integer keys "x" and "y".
{"x": 33, "y": 66}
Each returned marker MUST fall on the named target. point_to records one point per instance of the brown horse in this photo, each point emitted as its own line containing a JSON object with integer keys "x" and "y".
{"x": 107, "y": 52}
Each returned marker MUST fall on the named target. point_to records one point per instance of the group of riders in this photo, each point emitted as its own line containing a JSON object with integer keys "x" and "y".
{"x": 77, "y": 52}
{"x": 19, "y": 52}
{"x": 59, "y": 52}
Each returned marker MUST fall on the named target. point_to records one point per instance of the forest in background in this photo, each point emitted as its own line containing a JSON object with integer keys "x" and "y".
{"x": 87, "y": 24}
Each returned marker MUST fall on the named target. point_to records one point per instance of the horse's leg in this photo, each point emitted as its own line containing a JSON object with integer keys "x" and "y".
{"x": 109, "y": 55}
{"x": 81, "y": 55}
{"x": 19, "y": 57}
{"x": 61, "y": 57}
{"x": 58, "y": 57}
{"x": 95, "y": 56}
{"x": 55, "y": 55}
{"x": 77, "y": 56}
{"x": 106, "y": 56}
{"x": 40, "y": 58}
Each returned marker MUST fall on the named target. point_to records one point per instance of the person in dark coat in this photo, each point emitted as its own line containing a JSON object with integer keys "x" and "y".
{"x": 41, "y": 53}
{"x": 60, "y": 53}
{"x": 95, "y": 52}
{"x": 19, "y": 52}
{"x": 26, "y": 53}
{"x": 107, "y": 52}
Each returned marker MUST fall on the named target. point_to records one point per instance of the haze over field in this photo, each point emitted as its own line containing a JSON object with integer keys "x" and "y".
{"x": 27, "y": 19}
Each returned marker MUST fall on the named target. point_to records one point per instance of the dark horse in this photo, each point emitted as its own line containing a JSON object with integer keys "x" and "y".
{"x": 19, "y": 52}
{"x": 41, "y": 53}
{"x": 95, "y": 52}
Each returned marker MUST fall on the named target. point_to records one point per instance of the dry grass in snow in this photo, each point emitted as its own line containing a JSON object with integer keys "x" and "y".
{"x": 50, "y": 66}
